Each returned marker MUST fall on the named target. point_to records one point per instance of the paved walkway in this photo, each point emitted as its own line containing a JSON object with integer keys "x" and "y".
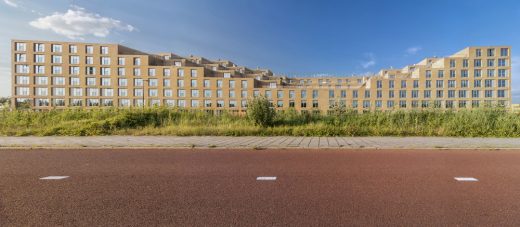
{"x": 259, "y": 142}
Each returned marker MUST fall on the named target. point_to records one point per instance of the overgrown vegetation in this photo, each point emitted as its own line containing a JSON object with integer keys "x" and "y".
{"x": 163, "y": 121}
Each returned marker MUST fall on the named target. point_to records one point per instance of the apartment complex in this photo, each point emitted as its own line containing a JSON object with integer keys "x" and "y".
{"x": 49, "y": 75}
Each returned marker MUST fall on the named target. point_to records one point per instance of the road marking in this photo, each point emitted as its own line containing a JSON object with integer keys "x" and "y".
{"x": 466, "y": 179}
{"x": 54, "y": 178}
{"x": 266, "y": 178}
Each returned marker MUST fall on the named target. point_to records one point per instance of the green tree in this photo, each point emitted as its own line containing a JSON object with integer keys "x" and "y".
{"x": 260, "y": 111}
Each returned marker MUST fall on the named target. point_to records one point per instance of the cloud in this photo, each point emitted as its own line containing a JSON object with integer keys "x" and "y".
{"x": 77, "y": 23}
{"x": 370, "y": 62}
{"x": 11, "y": 3}
{"x": 413, "y": 50}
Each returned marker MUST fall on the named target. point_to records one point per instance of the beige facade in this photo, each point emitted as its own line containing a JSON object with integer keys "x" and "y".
{"x": 58, "y": 75}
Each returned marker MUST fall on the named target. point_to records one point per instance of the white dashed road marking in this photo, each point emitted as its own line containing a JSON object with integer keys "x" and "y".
{"x": 266, "y": 178}
{"x": 54, "y": 178}
{"x": 466, "y": 179}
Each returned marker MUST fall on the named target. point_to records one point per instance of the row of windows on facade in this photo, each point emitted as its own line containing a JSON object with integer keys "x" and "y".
{"x": 92, "y": 81}
{"x": 104, "y": 71}
{"x": 478, "y": 62}
{"x": 138, "y": 92}
{"x": 89, "y": 49}
{"x": 292, "y": 104}
{"x": 58, "y": 48}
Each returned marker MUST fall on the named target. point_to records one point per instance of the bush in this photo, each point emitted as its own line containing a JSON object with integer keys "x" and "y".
{"x": 260, "y": 112}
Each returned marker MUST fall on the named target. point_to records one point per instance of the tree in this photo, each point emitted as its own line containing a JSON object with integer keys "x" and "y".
{"x": 260, "y": 112}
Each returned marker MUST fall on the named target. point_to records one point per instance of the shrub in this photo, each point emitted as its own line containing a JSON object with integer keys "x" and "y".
{"x": 260, "y": 112}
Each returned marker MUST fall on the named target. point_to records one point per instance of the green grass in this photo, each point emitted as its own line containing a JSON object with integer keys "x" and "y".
{"x": 163, "y": 121}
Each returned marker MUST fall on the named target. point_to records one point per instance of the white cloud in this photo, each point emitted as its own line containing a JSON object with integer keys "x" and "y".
{"x": 77, "y": 23}
{"x": 413, "y": 50}
{"x": 11, "y": 3}
{"x": 370, "y": 62}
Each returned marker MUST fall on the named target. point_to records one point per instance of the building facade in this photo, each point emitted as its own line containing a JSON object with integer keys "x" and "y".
{"x": 55, "y": 75}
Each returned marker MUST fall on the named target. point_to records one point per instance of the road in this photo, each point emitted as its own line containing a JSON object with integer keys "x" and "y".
{"x": 212, "y": 187}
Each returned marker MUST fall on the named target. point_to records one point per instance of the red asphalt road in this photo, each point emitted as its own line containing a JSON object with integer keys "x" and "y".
{"x": 161, "y": 187}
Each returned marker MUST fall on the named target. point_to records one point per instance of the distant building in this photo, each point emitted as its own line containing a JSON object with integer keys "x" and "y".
{"x": 69, "y": 74}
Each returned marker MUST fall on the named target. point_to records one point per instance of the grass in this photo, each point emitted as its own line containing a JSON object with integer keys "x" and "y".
{"x": 162, "y": 121}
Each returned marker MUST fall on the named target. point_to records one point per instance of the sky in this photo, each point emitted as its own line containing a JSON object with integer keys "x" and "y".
{"x": 290, "y": 37}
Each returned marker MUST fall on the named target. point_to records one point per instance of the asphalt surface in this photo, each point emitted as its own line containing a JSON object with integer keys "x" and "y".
{"x": 220, "y": 188}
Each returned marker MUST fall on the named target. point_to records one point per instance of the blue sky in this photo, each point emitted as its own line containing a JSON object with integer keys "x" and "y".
{"x": 295, "y": 38}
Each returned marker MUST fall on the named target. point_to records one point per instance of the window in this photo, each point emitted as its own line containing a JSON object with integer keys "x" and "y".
{"x": 475, "y": 93}
{"x": 220, "y": 103}
{"x": 73, "y": 49}
{"x": 452, "y": 83}
{"x": 137, "y": 61}
{"x": 439, "y": 84}
{"x": 92, "y": 92}
{"x": 391, "y": 94}
{"x": 121, "y": 71}
{"x": 22, "y": 91}
{"x": 367, "y": 94}
{"x": 272, "y": 85}
{"x": 166, "y": 83}
{"x": 402, "y": 94}
{"x": 390, "y": 104}
{"x": 427, "y": 94}
{"x": 39, "y": 69}
{"x": 403, "y": 83}
{"x": 193, "y": 83}
{"x": 331, "y": 93}
{"x": 167, "y": 92}
{"x": 105, "y": 71}
{"x": 453, "y": 73}
{"x": 462, "y": 93}
{"x": 39, "y": 91}
{"x": 279, "y": 94}
{"x": 415, "y": 94}
{"x": 488, "y": 93}
{"x": 451, "y": 93}
{"x": 89, "y": 60}
{"x": 243, "y": 94}
{"x": 58, "y": 80}
{"x": 181, "y": 93}
{"x": 343, "y": 94}
{"x": 477, "y": 63}
{"x": 501, "y": 93}
{"x": 151, "y": 72}
{"x": 440, "y": 73}
{"x": 22, "y": 69}
{"x": 195, "y": 103}
{"x": 41, "y": 80}
{"x": 390, "y": 84}
{"x": 109, "y": 92}
{"x": 268, "y": 94}
{"x": 91, "y": 81}
{"x": 428, "y": 73}
{"x": 491, "y": 52}
{"x": 355, "y": 94}
{"x": 193, "y": 73}
{"x": 207, "y": 103}
{"x": 502, "y": 73}
{"x": 74, "y": 81}
{"x": 105, "y": 60}
{"x": 76, "y": 91}
{"x": 138, "y": 92}
{"x": 138, "y": 82}
{"x": 104, "y": 50}
{"x": 207, "y": 93}
{"x": 56, "y": 48}
{"x": 122, "y": 82}
{"x": 502, "y": 83}
{"x": 504, "y": 52}
{"x": 279, "y": 104}
{"x": 219, "y": 93}
{"x": 465, "y": 63}
{"x": 123, "y": 92}
{"x": 105, "y": 81}
{"x": 488, "y": 83}
{"x": 490, "y": 72}
{"x": 180, "y": 72}
{"x": 153, "y": 92}
{"x": 244, "y": 83}
{"x": 477, "y": 83}
{"x": 379, "y": 84}
{"x": 491, "y": 62}
{"x": 416, "y": 84}
{"x": 39, "y": 58}
{"x": 231, "y": 84}
{"x": 439, "y": 94}
{"x": 206, "y": 83}
{"x": 56, "y": 59}
{"x": 232, "y": 94}
{"x": 121, "y": 61}
{"x": 89, "y": 49}
{"x": 502, "y": 62}
{"x": 74, "y": 60}
{"x": 22, "y": 80}
{"x": 477, "y": 73}
{"x": 167, "y": 72}
{"x": 39, "y": 47}
{"x": 428, "y": 84}
{"x": 314, "y": 94}
{"x": 20, "y": 57}
{"x": 478, "y": 52}
{"x": 137, "y": 72}
{"x": 464, "y": 73}
{"x": 452, "y": 63}
{"x": 464, "y": 83}
{"x": 21, "y": 47}
{"x": 177, "y": 63}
